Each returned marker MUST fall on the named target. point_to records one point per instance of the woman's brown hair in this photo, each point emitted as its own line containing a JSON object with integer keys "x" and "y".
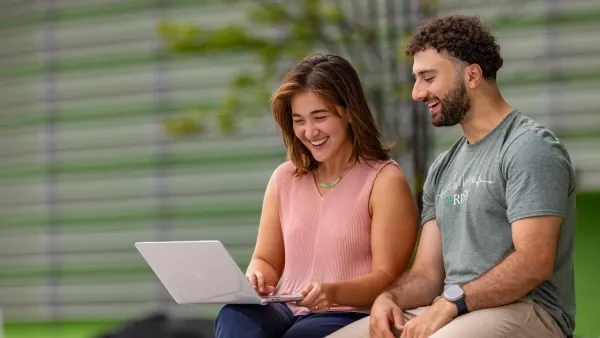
{"x": 335, "y": 80}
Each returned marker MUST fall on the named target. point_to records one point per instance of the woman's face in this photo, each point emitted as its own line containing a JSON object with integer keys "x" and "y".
{"x": 318, "y": 128}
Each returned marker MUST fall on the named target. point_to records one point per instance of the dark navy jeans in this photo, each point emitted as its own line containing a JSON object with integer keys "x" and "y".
{"x": 276, "y": 320}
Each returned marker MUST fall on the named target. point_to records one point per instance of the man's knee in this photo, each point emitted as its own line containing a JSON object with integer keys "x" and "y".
{"x": 514, "y": 320}
{"x": 485, "y": 322}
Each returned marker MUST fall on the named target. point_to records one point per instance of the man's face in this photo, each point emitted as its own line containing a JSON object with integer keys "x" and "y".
{"x": 440, "y": 85}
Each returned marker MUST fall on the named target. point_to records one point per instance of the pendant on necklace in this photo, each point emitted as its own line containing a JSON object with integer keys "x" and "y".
{"x": 331, "y": 183}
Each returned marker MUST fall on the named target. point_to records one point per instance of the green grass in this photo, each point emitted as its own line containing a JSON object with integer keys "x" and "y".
{"x": 587, "y": 273}
{"x": 59, "y": 330}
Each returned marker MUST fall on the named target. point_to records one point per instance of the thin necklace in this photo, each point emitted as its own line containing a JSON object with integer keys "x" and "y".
{"x": 330, "y": 183}
{"x": 335, "y": 180}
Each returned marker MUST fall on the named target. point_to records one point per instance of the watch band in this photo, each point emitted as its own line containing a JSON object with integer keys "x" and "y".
{"x": 461, "y": 306}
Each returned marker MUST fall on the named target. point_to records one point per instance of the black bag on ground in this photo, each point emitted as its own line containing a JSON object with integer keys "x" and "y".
{"x": 159, "y": 325}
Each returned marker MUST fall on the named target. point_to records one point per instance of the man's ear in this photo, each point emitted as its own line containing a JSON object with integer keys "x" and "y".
{"x": 473, "y": 76}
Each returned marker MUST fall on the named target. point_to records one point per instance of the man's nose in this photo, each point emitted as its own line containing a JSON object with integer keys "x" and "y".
{"x": 418, "y": 94}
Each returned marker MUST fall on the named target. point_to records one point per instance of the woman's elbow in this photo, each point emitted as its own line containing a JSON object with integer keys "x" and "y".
{"x": 387, "y": 276}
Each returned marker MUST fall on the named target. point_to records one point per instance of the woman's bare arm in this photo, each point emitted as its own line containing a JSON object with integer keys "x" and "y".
{"x": 269, "y": 256}
{"x": 394, "y": 230}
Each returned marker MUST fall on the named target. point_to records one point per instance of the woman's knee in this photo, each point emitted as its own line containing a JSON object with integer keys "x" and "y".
{"x": 251, "y": 321}
{"x": 233, "y": 320}
{"x": 227, "y": 313}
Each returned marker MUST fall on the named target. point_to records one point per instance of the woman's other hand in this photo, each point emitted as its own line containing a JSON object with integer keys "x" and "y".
{"x": 318, "y": 297}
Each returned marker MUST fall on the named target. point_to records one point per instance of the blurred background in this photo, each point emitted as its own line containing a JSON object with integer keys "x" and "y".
{"x": 134, "y": 120}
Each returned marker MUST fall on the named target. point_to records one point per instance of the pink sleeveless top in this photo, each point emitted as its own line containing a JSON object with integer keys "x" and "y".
{"x": 327, "y": 238}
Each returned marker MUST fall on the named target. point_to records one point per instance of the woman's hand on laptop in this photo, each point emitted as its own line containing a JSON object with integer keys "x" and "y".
{"x": 317, "y": 297}
{"x": 257, "y": 280}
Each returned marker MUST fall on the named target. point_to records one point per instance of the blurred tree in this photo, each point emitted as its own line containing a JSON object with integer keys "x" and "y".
{"x": 278, "y": 34}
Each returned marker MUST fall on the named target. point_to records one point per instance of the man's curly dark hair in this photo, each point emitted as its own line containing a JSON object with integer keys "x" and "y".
{"x": 464, "y": 37}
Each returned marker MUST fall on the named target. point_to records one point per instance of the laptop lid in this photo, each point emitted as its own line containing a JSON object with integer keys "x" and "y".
{"x": 198, "y": 272}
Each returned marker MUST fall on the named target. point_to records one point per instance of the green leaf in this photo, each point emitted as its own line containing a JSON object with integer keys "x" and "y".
{"x": 179, "y": 37}
{"x": 227, "y": 38}
{"x": 296, "y": 49}
{"x": 227, "y": 113}
{"x": 304, "y": 34}
{"x": 331, "y": 14}
{"x": 166, "y": 30}
{"x": 242, "y": 81}
{"x": 269, "y": 53}
{"x": 269, "y": 14}
{"x": 428, "y": 6}
{"x": 311, "y": 6}
{"x": 183, "y": 125}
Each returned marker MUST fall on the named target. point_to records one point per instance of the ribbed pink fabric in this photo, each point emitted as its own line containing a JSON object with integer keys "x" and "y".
{"x": 327, "y": 238}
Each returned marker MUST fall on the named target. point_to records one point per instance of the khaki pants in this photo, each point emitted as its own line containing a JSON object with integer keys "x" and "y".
{"x": 518, "y": 320}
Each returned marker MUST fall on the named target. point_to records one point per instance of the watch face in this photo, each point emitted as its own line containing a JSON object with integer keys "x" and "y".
{"x": 453, "y": 293}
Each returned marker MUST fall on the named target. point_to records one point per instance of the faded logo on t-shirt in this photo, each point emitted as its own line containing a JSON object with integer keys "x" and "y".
{"x": 457, "y": 190}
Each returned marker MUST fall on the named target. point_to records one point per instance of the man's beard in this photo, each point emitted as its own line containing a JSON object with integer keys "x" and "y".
{"x": 454, "y": 107}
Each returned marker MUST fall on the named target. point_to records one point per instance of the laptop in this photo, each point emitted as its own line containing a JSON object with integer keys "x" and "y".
{"x": 202, "y": 272}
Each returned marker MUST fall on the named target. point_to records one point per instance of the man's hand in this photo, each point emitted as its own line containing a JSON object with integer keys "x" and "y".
{"x": 386, "y": 317}
{"x": 440, "y": 313}
{"x": 318, "y": 297}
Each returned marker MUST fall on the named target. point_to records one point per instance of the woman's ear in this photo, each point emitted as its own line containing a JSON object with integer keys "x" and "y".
{"x": 345, "y": 114}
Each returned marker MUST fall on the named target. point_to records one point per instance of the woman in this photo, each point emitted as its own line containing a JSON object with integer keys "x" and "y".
{"x": 339, "y": 222}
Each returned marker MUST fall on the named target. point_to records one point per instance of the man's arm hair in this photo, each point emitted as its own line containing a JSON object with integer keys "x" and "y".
{"x": 424, "y": 281}
{"x": 535, "y": 240}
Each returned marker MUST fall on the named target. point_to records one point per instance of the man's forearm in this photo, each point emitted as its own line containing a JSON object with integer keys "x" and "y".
{"x": 414, "y": 289}
{"x": 506, "y": 283}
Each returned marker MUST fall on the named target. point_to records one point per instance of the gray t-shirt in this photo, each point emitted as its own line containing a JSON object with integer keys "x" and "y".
{"x": 475, "y": 191}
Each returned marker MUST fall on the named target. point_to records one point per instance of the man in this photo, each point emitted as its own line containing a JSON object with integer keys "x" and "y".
{"x": 495, "y": 257}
